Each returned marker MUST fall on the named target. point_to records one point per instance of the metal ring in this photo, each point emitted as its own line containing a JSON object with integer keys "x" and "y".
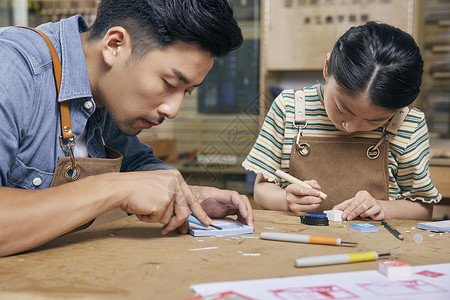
{"x": 304, "y": 148}
{"x": 76, "y": 171}
{"x": 373, "y": 149}
{"x": 298, "y": 126}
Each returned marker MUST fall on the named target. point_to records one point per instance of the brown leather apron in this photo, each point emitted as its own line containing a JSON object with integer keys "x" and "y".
{"x": 342, "y": 165}
{"x": 69, "y": 168}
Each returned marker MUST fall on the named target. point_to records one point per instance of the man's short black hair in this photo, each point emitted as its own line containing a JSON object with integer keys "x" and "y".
{"x": 157, "y": 24}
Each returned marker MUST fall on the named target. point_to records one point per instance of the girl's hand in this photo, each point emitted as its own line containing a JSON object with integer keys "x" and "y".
{"x": 301, "y": 199}
{"x": 363, "y": 205}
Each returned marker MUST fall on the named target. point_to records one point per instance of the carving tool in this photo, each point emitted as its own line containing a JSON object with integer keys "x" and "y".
{"x": 308, "y": 239}
{"x": 294, "y": 180}
{"x": 193, "y": 219}
{"x": 338, "y": 259}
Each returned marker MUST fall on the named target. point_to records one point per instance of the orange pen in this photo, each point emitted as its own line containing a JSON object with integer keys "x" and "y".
{"x": 300, "y": 238}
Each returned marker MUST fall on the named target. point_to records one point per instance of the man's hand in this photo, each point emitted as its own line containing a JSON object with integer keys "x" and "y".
{"x": 219, "y": 203}
{"x": 363, "y": 204}
{"x": 160, "y": 197}
{"x": 301, "y": 199}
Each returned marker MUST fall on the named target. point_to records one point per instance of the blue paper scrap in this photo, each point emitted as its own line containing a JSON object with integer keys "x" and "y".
{"x": 364, "y": 227}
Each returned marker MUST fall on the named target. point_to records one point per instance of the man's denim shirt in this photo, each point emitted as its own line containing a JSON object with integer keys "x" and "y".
{"x": 30, "y": 123}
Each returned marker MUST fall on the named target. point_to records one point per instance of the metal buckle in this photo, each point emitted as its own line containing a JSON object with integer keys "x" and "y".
{"x": 72, "y": 172}
{"x": 303, "y": 148}
{"x": 375, "y": 148}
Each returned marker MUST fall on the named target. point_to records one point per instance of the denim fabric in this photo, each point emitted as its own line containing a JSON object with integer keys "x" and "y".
{"x": 29, "y": 110}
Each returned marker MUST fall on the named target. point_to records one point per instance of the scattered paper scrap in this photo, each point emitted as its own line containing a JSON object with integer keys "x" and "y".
{"x": 206, "y": 248}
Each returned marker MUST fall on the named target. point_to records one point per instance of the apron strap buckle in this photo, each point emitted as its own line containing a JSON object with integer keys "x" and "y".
{"x": 73, "y": 170}
{"x": 67, "y": 142}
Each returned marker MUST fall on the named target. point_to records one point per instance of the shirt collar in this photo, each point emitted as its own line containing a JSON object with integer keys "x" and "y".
{"x": 75, "y": 79}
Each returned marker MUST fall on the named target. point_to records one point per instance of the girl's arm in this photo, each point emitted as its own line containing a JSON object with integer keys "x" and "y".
{"x": 364, "y": 205}
{"x": 269, "y": 195}
{"x": 407, "y": 209}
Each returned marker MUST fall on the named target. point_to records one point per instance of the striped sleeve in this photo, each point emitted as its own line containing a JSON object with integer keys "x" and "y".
{"x": 412, "y": 151}
{"x": 266, "y": 155}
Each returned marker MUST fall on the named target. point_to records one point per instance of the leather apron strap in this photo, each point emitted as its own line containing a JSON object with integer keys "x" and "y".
{"x": 66, "y": 125}
{"x": 67, "y": 139}
{"x": 342, "y": 165}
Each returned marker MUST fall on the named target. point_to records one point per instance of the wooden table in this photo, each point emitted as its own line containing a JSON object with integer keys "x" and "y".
{"x": 128, "y": 259}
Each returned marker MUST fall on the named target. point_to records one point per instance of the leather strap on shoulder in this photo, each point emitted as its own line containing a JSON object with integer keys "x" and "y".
{"x": 299, "y": 106}
{"x": 397, "y": 120}
{"x": 66, "y": 126}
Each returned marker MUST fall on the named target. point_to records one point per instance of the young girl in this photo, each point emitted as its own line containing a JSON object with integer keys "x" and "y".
{"x": 355, "y": 135}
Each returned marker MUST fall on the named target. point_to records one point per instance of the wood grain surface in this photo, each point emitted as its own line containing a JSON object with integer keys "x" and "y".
{"x": 128, "y": 259}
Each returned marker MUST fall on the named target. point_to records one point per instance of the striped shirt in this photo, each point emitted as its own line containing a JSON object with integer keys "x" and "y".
{"x": 409, "y": 153}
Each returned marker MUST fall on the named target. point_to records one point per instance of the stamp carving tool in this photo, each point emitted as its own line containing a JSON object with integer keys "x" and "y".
{"x": 301, "y": 238}
{"x": 335, "y": 259}
{"x": 193, "y": 219}
{"x": 293, "y": 180}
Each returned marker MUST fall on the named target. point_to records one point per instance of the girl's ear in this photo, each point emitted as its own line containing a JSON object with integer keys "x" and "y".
{"x": 325, "y": 66}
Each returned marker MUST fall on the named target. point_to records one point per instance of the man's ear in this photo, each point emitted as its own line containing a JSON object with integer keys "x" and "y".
{"x": 325, "y": 66}
{"x": 115, "y": 42}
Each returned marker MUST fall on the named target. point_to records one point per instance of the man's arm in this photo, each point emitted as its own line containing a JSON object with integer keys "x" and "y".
{"x": 31, "y": 218}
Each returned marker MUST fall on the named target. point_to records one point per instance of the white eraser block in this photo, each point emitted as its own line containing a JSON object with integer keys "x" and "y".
{"x": 394, "y": 268}
{"x": 334, "y": 215}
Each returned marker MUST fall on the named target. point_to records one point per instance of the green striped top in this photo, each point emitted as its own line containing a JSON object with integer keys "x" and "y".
{"x": 409, "y": 153}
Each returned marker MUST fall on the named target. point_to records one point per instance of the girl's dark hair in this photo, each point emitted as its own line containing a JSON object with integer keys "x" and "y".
{"x": 157, "y": 24}
{"x": 380, "y": 60}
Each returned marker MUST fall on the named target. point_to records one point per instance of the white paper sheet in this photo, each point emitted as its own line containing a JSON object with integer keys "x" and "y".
{"x": 426, "y": 282}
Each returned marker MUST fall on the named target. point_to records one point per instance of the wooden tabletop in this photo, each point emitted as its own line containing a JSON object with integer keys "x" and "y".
{"x": 128, "y": 259}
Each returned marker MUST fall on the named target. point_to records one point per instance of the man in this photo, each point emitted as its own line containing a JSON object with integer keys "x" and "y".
{"x": 128, "y": 72}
